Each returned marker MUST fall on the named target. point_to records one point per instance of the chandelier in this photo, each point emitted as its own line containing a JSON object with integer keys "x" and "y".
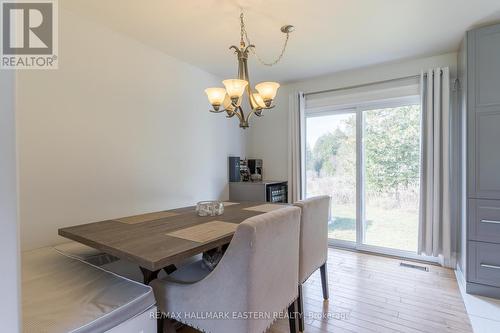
{"x": 229, "y": 99}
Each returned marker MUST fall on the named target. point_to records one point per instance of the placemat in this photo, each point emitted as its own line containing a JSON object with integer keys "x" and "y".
{"x": 205, "y": 232}
{"x": 146, "y": 217}
{"x": 265, "y": 208}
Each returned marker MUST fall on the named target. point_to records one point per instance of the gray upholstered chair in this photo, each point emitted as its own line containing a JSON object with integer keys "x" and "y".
{"x": 313, "y": 244}
{"x": 257, "y": 274}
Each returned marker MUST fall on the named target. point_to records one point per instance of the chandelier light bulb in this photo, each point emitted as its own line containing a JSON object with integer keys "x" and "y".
{"x": 267, "y": 90}
{"x": 216, "y": 96}
{"x": 228, "y": 105}
{"x": 235, "y": 87}
{"x": 259, "y": 101}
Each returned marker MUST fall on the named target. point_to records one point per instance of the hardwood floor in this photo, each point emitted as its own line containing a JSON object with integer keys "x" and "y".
{"x": 371, "y": 293}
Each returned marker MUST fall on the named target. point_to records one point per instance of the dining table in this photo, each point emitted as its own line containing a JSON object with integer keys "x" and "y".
{"x": 161, "y": 240}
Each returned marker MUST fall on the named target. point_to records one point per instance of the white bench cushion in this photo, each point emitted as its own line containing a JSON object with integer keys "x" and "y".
{"x": 85, "y": 253}
{"x": 63, "y": 294}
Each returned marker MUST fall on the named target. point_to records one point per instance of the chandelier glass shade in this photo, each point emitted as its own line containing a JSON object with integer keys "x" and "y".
{"x": 229, "y": 99}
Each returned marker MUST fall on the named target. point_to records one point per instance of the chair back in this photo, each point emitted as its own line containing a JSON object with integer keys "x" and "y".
{"x": 262, "y": 260}
{"x": 255, "y": 280}
{"x": 313, "y": 249}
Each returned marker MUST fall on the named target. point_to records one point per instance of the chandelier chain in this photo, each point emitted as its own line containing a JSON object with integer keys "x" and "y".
{"x": 243, "y": 34}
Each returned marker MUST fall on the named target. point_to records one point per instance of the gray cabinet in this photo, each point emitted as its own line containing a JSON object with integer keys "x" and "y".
{"x": 479, "y": 73}
{"x": 486, "y": 179}
{"x": 485, "y": 263}
{"x": 483, "y": 109}
{"x": 484, "y": 220}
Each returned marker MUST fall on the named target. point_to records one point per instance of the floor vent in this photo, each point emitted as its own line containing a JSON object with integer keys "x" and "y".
{"x": 422, "y": 268}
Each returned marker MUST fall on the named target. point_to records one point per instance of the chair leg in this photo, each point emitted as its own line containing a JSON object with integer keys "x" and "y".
{"x": 169, "y": 326}
{"x": 324, "y": 281}
{"x": 159, "y": 323}
{"x": 300, "y": 307}
{"x": 292, "y": 317}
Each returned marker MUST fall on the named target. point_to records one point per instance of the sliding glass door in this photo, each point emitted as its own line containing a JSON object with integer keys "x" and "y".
{"x": 331, "y": 169}
{"x": 391, "y": 149}
{"x": 367, "y": 158}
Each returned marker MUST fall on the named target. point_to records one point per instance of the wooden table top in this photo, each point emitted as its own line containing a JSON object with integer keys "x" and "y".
{"x": 147, "y": 243}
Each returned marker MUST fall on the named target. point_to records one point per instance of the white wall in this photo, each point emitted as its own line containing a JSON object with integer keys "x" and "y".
{"x": 268, "y": 136}
{"x": 9, "y": 236}
{"x": 120, "y": 128}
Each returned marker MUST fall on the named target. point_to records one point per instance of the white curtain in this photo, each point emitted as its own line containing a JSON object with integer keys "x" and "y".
{"x": 435, "y": 227}
{"x": 295, "y": 144}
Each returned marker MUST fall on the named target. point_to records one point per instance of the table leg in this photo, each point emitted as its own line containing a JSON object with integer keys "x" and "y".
{"x": 149, "y": 275}
{"x": 170, "y": 269}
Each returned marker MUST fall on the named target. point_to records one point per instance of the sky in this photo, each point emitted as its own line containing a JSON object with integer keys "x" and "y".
{"x": 317, "y": 126}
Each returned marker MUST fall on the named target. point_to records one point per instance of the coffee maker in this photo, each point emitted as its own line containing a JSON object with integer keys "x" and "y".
{"x": 255, "y": 169}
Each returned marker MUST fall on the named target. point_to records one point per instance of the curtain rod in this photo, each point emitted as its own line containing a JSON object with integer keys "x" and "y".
{"x": 366, "y": 84}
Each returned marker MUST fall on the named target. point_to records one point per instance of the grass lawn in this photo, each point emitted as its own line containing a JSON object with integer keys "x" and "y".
{"x": 392, "y": 228}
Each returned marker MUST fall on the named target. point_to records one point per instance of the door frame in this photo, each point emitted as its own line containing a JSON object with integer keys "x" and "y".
{"x": 359, "y": 110}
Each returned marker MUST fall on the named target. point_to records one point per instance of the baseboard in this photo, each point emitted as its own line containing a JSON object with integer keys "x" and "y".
{"x": 460, "y": 277}
{"x": 475, "y": 288}
{"x": 482, "y": 290}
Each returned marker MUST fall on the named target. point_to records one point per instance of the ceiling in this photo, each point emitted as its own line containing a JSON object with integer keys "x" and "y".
{"x": 330, "y": 36}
